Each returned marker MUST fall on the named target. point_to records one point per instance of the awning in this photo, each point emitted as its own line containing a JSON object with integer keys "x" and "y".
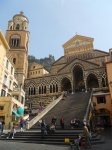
{"x": 17, "y": 115}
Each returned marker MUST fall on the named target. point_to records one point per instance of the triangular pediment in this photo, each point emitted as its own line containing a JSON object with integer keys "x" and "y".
{"x": 86, "y": 65}
{"x": 78, "y": 41}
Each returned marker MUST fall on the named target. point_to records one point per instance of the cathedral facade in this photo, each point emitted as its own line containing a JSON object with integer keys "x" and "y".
{"x": 80, "y": 69}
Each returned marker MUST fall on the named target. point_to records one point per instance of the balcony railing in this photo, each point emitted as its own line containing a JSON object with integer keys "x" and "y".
{"x": 5, "y": 84}
{"x": 102, "y": 89}
{"x": 10, "y": 88}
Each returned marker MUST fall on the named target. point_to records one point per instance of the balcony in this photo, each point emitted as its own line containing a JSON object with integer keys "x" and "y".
{"x": 20, "y": 90}
{"x": 10, "y": 88}
{"x": 100, "y": 90}
{"x": 5, "y": 84}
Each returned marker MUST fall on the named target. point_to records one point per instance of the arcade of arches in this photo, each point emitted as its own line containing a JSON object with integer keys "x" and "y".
{"x": 76, "y": 81}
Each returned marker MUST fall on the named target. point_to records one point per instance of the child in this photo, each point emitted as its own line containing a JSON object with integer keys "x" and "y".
{"x": 77, "y": 141}
{"x": 12, "y": 132}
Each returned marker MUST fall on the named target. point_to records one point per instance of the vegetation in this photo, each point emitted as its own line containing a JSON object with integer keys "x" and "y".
{"x": 46, "y": 62}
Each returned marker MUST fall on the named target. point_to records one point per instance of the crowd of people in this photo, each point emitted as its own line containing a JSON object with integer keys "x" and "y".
{"x": 50, "y": 129}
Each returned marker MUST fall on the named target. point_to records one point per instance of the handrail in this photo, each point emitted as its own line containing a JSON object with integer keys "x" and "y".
{"x": 40, "y": 115}
{"x": 90, "y": 104}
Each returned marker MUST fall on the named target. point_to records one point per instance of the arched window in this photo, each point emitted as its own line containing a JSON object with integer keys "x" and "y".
{"x": 17, "y": 27}
{"x": 53, "y": 88}
{"x": 50, "y": 88}
{"x": 11, "y": 28}
{"x": 14, "y": 60}
{"x": 39, "y": 90}
{"x": 15, "y": 40}
{"x": 29, "y": 92}
{"x": 56, "y": 88}
{"x": 44, "y": 89}
{"x": 34, "y": 91}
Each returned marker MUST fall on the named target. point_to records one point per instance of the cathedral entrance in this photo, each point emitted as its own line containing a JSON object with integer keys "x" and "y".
{"x": 66, "y": 85}
{"x": 92, "y": 81}
{"x": 78, "y": 78}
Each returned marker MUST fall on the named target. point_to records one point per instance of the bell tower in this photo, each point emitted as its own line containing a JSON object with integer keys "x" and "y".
{"x": 17, "y": 36}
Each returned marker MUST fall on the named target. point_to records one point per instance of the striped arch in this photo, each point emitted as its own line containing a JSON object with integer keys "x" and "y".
{"x": 77, "y": 64}
{"x": 92, "y": 80}
{"x": 42, "y": 87}
{"x": 78, "y": 77}
{"x": 66, "y": 84}
{"x": 32, "y": 88}
{"x": 53, "y": 85}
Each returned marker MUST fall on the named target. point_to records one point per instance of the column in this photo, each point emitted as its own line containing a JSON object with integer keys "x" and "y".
{"x": 85, "y": 85}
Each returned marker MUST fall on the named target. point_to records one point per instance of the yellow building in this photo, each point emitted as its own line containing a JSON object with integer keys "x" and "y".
{"x": 37, "y": 70}
{"x": 102, "y": 98}
{"x": 3, "y": 47}
{"x": 12, "y": 96}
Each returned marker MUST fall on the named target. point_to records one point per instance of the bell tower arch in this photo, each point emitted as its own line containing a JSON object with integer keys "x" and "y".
{"x": 17, "y": 36}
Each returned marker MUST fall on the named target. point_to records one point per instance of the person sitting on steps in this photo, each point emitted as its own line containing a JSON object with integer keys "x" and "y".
{"x": 12, "y": 133}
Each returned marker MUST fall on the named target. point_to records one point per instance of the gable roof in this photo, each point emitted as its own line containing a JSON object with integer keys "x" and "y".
{"x": 77, "y": 37}
{"x": 80, "y": 60}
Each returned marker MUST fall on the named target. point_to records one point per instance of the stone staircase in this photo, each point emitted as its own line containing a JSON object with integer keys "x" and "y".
{"x": 74, "y": 106}
{"x": 58, "y": 138}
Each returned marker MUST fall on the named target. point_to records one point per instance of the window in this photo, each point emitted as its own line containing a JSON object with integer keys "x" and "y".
{"x": 1, "y": 107}
{"x": 11, "y": 70}
{"x": 14, "y": 60}
{"x": 3, "y": 92}
{"x": 5, "y": 79}
{"x": 101, "y": 100}
{"x": 22, "y": 100}
{"x": 7, "y": 64}
{"x": 8, "y": 95}
{"x": 10, "y": 83}
{"x": 15, "y": 40}
{"x": 16, "y": 97}
{"x": 11, "y": 28}
{"x": 17, "y": 27}
{"x": 102, "y": 110}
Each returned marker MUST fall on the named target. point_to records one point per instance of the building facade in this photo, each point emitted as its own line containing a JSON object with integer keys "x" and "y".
{"x": 17, "y": 36}
{"x": 80, "y": 69}
{"x": 11, "y": 96}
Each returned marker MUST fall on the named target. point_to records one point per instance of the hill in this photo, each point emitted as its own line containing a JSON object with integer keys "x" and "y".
{"x": 46, "y": 62}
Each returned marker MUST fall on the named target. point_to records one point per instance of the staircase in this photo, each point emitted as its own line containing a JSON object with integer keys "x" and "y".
{"x": 74, "y": 106}
{"x": 58, "y": 138}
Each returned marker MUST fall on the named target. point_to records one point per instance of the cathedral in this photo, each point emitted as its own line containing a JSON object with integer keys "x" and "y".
{"x": 81, "y": 69}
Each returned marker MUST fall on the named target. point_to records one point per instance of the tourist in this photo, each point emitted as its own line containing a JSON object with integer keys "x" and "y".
{"x": 43, "y": 128}
{"x": 3, "y": 123}
{"x": 21, "y": 124}
{"x": 86, "y": 134}
{"x": 62, "y": 123}
{"x": 12, "y": 133}
{"x": 54, "y": 121}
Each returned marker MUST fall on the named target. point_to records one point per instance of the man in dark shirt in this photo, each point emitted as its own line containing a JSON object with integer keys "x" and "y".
{"x": 54, "y": 121}
{"x": 43, "y": 128}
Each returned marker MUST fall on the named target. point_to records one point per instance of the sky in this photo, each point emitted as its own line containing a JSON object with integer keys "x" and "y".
{"x": 53, "y": 22}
